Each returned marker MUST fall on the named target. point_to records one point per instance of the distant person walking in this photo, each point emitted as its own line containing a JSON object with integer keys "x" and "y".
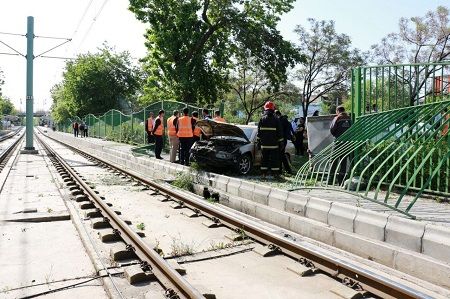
{"x": 340, "y": 124}
{"x": 287, "y": 135}
{"x": 270, "y": 138}
{"x": 81, "y": 127}
{"x": 185, "y": 132}
{"x": 149, "y": 125}
{"x": 75, "y": 129}
{"x": 158, "y": 132}
{"x": 217, "y": 117}
{"x": 174, "y": 142}
{"x": 197, "y": 131}
{"x": 86, "y": 127}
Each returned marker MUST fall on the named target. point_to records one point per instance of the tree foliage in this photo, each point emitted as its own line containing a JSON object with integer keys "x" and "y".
{"x": 329, "y": 58}
{"x": 419, "y": 40}
{"x": 95, "y": 83}
{"x": 6, "y": 106}
{"x": 192, "y": 43}
{"x": 251, "y": 88}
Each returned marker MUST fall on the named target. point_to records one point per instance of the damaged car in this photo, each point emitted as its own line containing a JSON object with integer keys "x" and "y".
{"x": 227, "y": 145}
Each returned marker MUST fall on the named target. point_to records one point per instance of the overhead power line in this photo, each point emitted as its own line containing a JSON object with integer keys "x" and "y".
{"x": 92, "y": 23}
{"x": 82, "y": 18}
{"x": 11, "y": 48}
{"x": 9, "y": 33}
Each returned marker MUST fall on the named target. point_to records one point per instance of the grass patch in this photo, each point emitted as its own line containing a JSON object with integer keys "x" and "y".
{"x": 184, "y": 181}
{"x": 140, "y": 226}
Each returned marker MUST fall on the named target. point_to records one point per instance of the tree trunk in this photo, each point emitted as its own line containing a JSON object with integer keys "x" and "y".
{"x": 249, "y": 117}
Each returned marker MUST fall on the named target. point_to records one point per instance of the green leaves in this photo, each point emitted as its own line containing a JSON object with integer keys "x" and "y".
{"x": 192, "y": 45}
{"x": 95, "y": 83}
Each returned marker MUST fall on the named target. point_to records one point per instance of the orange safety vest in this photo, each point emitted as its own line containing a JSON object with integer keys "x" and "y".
{"x": 171, "y": 130}
{"x": 160, "y": 130}
{"x": 218, "y": 118}
{"x": 184, "y": 127}
{"x": 197, "y": 130}
{"x": 149, "y": 124}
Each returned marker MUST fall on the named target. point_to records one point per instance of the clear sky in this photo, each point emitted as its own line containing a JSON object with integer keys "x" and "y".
{"x": 365, "y": 21}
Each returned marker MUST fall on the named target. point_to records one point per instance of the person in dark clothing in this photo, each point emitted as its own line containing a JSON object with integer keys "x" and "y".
{"x": 158, "y": 133}
{"x": 81, "y": 127}
{"x": 287, "y": 135}
{"x": 184, "y": 127}
{"x": 270, "y": 138}
{"x": 85, "y": 130}
{"x": 316, "y": 113}
{"x": 340, "y": 124}
{"x": 75, "y": 129}
{"x": 205, "y": 114}
{"x": 299, "y": 137}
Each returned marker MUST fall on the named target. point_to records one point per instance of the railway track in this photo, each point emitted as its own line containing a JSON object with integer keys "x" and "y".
{"x": 6, "y": 153}
{"x": 175, "y": 284}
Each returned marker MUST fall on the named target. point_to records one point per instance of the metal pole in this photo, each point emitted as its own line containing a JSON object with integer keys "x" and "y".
{"x": 29, "y": 95}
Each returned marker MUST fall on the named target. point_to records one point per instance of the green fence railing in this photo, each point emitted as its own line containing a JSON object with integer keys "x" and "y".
{"x": 399, "y": 143}
{"x": 127, "y": 128}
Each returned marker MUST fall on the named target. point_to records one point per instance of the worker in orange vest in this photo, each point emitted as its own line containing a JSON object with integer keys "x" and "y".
{"x": 174, "y": 142}
{"x": 158, "y": 132}
{"x": 218, "y": 118}
{"x": 197, "y": 131}
{"x": 149, "y": 124}
{"x": 185, "y": 132}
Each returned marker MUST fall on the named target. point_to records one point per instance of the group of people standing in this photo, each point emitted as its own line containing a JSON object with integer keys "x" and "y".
{"x": 181, "y": 130}
{"x": 79, "y": 129}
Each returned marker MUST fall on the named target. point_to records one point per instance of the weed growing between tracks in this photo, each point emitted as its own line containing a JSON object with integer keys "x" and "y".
{"x": 184, "y": 181}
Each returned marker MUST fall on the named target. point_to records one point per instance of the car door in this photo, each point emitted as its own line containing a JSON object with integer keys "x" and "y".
{"x": 256, "y": 152}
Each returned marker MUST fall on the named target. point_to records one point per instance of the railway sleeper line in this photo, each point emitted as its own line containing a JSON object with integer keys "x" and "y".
{"x": 355, "y": 277}
{"x": 151, "y": 263}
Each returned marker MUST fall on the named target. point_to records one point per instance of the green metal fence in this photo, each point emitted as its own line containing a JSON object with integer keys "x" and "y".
{"x": 399, "y": 143}
{"x": 127, "y": 128}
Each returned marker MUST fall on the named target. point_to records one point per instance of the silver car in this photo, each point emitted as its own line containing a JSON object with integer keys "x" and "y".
{"x": 228, "y": 145}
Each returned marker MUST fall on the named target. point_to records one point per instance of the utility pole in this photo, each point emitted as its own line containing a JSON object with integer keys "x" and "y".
{"x": 29, "y": 96}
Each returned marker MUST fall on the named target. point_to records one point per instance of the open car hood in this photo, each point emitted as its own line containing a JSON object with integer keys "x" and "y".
{"x": 211, "y": 128}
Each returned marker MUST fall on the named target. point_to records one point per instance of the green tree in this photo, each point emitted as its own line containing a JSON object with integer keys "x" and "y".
{"x": 422, "y": 39}
{"x": 192, "y": 43}
{"x": 329, "y": 57}
{"x": 6, "y": 106}
{"x": 95, "y": 83}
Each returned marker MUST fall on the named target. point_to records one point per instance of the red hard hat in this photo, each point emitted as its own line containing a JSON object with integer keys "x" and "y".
{"x": 269, "y": 106}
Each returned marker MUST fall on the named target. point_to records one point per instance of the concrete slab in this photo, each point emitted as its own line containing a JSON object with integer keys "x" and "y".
{"x": 342, "y": 216}
{"x": 405, "y": 233}
{"x": 277, "y": 199}
{"x": 296, "y": 204}
{"x": 246, "y": 190}
{"x": 370, "y": 224}
{"x": 436, "y": 242}
{"x": 257, "y": 277}
{"x": 233, "y": 186}
{"x": 318, "y": 209}
{"x": 261, "y": 194}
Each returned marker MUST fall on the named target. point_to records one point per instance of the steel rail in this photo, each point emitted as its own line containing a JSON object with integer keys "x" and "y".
{"x": 166, "y": 275}
{"x": 375, "y": 283}
{"x": 4, "y": 154}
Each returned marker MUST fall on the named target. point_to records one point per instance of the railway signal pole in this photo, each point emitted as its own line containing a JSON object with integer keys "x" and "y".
{"x": 29, "y": 148}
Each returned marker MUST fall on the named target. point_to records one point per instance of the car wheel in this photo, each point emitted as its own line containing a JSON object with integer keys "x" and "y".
{"x": 244, "y": 164}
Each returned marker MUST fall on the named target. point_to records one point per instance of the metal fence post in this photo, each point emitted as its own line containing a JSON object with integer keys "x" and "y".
{"x": 357, "y": 90}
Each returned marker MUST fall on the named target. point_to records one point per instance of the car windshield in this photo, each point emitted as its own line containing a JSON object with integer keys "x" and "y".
{"x": 247, "y": 131}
